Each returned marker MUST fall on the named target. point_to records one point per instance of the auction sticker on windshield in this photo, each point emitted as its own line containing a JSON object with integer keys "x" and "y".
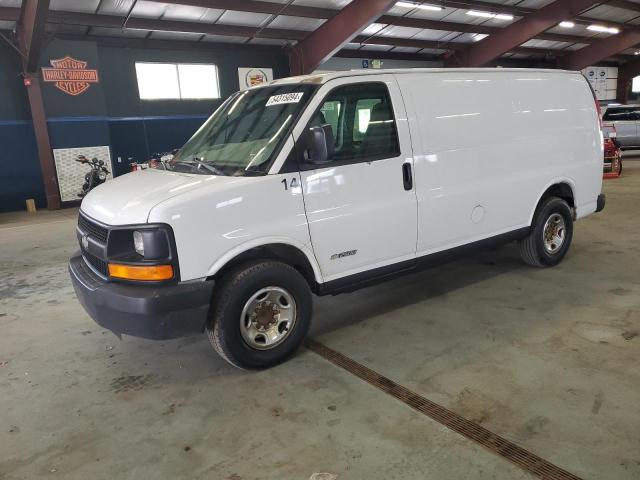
{"x": 284, "y": 98}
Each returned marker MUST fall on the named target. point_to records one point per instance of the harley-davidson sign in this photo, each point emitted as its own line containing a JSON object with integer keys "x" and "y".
{"x": 70, "y": 75}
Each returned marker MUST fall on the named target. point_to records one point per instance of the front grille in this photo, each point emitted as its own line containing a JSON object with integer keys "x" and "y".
{"x": 97, "y": 264}
{"x": 87, "y": 276}
{"x": 93, "y": 229}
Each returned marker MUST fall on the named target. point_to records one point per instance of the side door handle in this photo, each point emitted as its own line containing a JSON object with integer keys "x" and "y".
{"x": 407, "y": 177}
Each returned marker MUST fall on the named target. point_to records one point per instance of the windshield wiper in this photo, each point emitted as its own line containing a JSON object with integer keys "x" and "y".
{"x": 201, "y": 164}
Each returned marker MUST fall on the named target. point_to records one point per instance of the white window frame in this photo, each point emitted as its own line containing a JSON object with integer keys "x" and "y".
{"x": 177, "y": 73}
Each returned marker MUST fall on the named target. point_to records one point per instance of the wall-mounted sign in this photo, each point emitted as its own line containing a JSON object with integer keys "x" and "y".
{"x": 603, "y": 80}
{"x": 70, "y": 75}
{"x": 373, "y": 63}
{"x": 250, "y": 77}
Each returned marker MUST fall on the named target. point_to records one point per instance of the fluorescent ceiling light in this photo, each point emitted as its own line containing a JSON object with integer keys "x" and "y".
{"x": 497, "y": 16}
{"x": 421, "y": 6}
{"x": 477, "y": 13}
{"x": 434, "y": 8}
{"x": 476, "y": 37}
{"x": 602, "y": 28}
{"x": 567, "y": 24}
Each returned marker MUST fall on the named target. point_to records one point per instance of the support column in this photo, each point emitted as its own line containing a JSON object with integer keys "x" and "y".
{"x": 30, "y": 32}
{"x": 45, "y": 155}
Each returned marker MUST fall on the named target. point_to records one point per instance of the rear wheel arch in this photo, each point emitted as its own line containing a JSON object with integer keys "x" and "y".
{"x": 561, "y": 189}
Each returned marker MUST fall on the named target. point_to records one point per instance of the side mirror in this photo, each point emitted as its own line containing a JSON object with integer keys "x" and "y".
{"x": 321, "y": 145}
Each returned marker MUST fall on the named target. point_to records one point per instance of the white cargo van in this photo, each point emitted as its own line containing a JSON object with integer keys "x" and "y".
{"x": 325, "y": 183}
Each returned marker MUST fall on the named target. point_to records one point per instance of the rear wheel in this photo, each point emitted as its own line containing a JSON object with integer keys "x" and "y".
{"x": 260, "y": 315}
{"x": 550, "y": 236}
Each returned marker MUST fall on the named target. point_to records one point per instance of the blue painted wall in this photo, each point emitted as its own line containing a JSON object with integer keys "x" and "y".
{"x": 109, "y": 113}
{"x": 20, "y": 176}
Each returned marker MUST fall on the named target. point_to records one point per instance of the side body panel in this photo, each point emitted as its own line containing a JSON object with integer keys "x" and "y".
{"x": 214, "y": 225}
{"x": 488, "y": 144}
{"x": 360, "y": 215}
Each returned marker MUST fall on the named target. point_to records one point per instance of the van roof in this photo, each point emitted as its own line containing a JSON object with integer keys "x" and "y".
{"x": 320, "y": 78}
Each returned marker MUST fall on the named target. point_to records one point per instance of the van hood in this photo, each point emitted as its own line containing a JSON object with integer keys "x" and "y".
{"x": 129, "y": 198}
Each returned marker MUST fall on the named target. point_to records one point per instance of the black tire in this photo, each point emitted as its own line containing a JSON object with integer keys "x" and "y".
{"x": 532, "y": 249}
{"x": 236, "y": 288}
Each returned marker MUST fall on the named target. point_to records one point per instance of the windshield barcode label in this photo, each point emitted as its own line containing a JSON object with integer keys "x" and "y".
{"x": 285, "y": 98}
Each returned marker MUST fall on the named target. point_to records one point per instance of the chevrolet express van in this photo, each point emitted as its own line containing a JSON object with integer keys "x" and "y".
{"x": 325, "y": 183}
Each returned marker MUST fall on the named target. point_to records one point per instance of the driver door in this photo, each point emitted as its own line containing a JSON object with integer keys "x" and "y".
{"x": 361, "y": 204}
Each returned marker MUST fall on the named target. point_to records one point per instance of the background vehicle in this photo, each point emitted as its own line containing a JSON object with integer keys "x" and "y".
{"x": 96, "y": 176}
{"x": 612, "y": 150}
{"x": 626, "y": 120}
{"x": 326, "y": 183}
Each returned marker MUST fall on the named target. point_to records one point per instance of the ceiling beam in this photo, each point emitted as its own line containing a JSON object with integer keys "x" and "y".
{"x": 332, "y": 35}
{"x": 605, "y": 48}
{"x": 519, "y": 32}
{"x": 254, "y": 6}
{"x": 434, "y": 44}
{"x": 9, "y": 14}
{"x": 413, "y": 57}
{"x": 112, "y": 21}
{"x": 273, "y": 8}
{"x": 30, "y": 31}
{"x": 136, "y": 23}
{"x": 471, "y": 28}
{"x": 624, "y": 4}
{"x": 517, "y": 11}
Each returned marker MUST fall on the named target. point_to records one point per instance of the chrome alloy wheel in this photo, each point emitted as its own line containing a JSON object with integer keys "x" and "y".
{"x": 268, "y": 318}
{"x": 554, "y": 232}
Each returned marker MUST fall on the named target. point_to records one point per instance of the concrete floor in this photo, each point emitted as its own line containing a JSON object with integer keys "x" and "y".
{"x": 545, "y": 358}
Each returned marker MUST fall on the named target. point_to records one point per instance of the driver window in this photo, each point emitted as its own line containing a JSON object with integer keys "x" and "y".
{"x": 362, "y": 122}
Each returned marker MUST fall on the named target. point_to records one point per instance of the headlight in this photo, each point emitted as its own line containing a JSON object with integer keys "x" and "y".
{"x": 138, "y": 242}
{"x": 102, "y": 176}
{"x": 142, "y": 252}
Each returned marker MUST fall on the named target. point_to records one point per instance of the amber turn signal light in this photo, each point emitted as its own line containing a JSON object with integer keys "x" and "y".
{"x": 141, "y": 272}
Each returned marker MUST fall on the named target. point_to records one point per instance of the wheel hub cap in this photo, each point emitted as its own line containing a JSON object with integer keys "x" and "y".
{"x": 554, "y": 232}
{"x": 267, "y": 318}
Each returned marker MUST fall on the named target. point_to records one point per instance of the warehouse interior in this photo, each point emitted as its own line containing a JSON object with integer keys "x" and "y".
{"x": 478, "y": 368}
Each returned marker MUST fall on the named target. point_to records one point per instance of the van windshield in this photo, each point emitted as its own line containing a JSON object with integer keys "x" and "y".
{"x": 243, "y": 136}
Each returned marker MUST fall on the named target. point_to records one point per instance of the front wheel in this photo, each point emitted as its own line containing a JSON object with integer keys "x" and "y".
{"x": 550, "y": 235}
{"x": 260, "y": 315}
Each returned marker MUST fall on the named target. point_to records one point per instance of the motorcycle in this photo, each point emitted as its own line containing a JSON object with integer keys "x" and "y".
{"x": 96, "y": 176}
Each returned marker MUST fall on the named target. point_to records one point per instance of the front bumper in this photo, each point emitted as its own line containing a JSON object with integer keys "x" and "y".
{"x": 148, "y": 311}
{"x": 600, "y": 203}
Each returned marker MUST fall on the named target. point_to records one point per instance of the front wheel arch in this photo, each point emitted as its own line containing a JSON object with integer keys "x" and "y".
{"x": 281, "y": 252}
